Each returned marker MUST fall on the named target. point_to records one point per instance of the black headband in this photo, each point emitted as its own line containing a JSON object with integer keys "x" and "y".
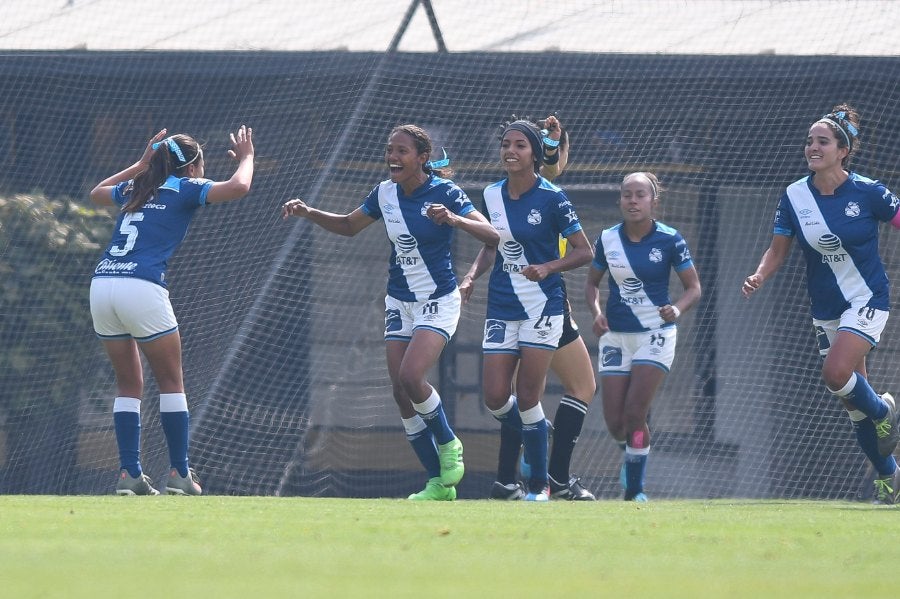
{"x": 534, "y": 138}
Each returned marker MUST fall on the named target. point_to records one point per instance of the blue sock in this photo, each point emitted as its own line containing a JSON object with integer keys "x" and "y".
{"x": 534, "y": 439}
{"x": 508, "y": 455}
{"x": 127, "y": 421}
{"x": 422, "y": 442}
{"x": 868, "y": 441}
{"x": 173, "y": 414}
{"x": 635, "y": 468}
{"x": 858, "y": 392}
{"x": 509, "y": 414}
{"x": 432, "y": 412}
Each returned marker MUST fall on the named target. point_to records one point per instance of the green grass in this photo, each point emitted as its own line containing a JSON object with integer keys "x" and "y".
{"x": 262, "y": 547}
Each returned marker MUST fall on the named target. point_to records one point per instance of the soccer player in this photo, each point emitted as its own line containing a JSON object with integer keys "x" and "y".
{"x": 526, "y": 298}
{"x": 420, "y": 208}
{"x": 638, "y": 331}
{"x": 571, "y": 363}
{"x": 834, "y": 213}
{"x": 157, "y": 197}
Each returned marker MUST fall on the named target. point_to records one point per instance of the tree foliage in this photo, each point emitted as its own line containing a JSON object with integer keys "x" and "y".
{"x": 47, "y": 251}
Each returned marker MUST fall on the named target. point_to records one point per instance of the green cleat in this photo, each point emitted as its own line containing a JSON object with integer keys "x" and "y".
{"x": 887, "y": 489}
{"x": 888, "y": 428}
{"x": 452, "y": 468}
{"x": 434, "y": 491}
{"x": 142, "y": 485}
{"x": 183, "y": 485}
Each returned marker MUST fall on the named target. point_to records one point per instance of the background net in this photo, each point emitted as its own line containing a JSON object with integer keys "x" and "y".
{"x": 282, "y": 322}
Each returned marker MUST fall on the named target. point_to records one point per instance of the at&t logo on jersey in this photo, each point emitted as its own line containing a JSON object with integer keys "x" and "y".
{"x": 534, "y": 217}
{"x": 406, "y": 243}
{"x": 512, "y": 251}
{"x": 631, "y": 286}
{"x": 830, "y": 243}
{"x": 852, "y": 209}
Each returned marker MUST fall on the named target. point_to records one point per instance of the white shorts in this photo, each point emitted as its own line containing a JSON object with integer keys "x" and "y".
{"x": 440, "y": 315}
{"x": 866, "y": 322}
{"x": 124, "y": 308}
{"x": 507, "y": 336}
{"x": 620, "y": 351}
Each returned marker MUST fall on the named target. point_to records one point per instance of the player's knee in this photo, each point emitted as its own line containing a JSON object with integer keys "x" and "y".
{"x": 616, "y": 428}
{"x": 835, "y": 376}
{"x": 410, "y": 381}
{"x": 582, "y": 390}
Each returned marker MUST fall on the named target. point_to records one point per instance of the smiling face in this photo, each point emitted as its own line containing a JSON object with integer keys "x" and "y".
{"x": 515, "y": 153}
{"x": 404, "y": 160}
{"x": 637, "y": 199}
{"x": 822, "y": 151}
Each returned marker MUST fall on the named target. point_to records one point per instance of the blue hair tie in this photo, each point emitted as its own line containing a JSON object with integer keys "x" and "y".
{"x": 442, "y": 163}
{"x": 842, "y": 116}
{"x": 173, "y": 147}
{"x": 549, "y": 141}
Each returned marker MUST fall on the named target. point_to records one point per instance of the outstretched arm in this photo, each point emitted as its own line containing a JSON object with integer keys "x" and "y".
{"x": 769, "y": 264}
{"x": 239, "y": 184}
{"x": 347, "y": 225}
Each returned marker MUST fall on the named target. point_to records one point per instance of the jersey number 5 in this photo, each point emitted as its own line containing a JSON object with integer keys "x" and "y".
{"x": 130, "y": 230}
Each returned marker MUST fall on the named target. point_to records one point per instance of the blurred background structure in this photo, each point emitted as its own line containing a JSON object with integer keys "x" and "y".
{"x": 282, "y": 322}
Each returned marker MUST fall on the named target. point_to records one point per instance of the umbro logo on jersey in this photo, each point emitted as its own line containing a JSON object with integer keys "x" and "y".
{"x": 805, "y": 212}
{"x": 612, "y": 255}
{"x": 852, "y": 209}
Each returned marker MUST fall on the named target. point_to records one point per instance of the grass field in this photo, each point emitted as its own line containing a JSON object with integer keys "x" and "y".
{"x": 261, "y": 547}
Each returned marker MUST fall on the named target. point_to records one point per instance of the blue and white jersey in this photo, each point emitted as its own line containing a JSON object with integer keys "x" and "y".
{"x": 639, "y": 275}
{"x": 144, "y": 240}
{"x": 420, "y": 267}
{"x": 839, "y": 237}
{"x": 529, "y": 234}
